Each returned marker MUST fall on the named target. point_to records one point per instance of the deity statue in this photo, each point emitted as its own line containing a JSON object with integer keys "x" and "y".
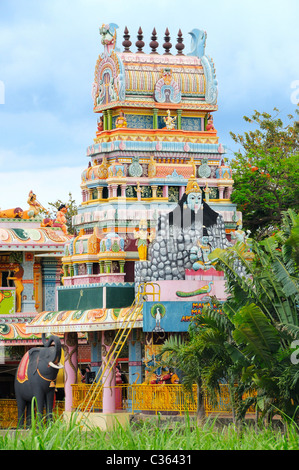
{"x": 121, "y": 120}
{"x": 100, "y": 124}
{"x": 143, "y": 238}
{"x": 178, "y": 232}
{"x": 207, "y": 193}
{"x": 199, "y": 254}
{"x": 61, "y": 219}
{"x": 169, "y": 121}
{"x": 210, "y": 123}
{"x": 34, "y": 206}
{"x": 239, "y": 235}
{"x": 18, "y": 281}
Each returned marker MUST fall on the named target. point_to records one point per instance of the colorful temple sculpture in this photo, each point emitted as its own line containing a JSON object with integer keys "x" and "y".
{"x": 155, "y": 203}
{"x": 31, "y": 248}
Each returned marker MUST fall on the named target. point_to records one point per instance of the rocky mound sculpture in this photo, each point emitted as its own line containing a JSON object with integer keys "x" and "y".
{"x": 180, "y": 237}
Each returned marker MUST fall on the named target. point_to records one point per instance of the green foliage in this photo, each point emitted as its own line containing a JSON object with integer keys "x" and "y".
{"x": 249, "y": 346}
{"x": 266, "y": 171}
{"x": 254, "y": 331}
{"x": 151, "y": 435}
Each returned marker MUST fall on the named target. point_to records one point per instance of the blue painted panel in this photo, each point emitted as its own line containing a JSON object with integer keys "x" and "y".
{"x": 170, "y": 316}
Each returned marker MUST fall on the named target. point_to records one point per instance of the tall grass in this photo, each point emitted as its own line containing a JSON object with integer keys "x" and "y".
{"x": 149, "y": 435}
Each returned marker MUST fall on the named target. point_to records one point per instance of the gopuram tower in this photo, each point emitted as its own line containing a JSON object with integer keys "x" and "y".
{"x": 155, "y": 198}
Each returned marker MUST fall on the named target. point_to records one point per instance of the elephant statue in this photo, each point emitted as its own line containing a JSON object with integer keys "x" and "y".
{"x": 36, "y": 377}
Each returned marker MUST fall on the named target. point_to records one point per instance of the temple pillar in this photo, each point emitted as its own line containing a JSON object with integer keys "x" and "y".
{"x": 109, "y": 119}
{"x": 26, "y": 298}
{"x": 102, "y": 267}
{"x": 155, "y": 119}
{"x": 121, "y": 266}
{"x": 89, "y": 268}
{"x": 105, "y": 120}
{"x": 165, "y": 191}
{"x": 108, "y": 266}
{"x": 70, "y": 348}
{"x": 114, "y": 190}
{"x": 135, "y": 360}
{"x": 65, "y": 270}
{"x": 154, "y": 191}
{"x": 96, "y": 347}
{"x": 123, "y": 190}
{"x": 221, "y": 191}
{"x": 108, "y": 375}
{"x": 76, "y": 269}
{"x": 179, "y": 119}
{"x": 51, "y": 279}
{"x": 71, "y": 270}
{"x": 100, "y": 192}
{"x": 229, "y": 191}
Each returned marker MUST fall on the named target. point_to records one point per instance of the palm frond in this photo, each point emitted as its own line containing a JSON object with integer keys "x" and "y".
{"x": 254, "y": 332}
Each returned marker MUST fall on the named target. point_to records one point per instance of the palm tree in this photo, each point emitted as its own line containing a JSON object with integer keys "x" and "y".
{"x": 208, "y": 357}
{"x": 183, "y": 356}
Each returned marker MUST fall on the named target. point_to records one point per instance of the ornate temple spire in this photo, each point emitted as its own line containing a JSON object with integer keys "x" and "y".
{"x": 167, "y": 44}
{"x": 180, "y": 46}
{"x": 140, "y": 43}
{"x": 126, "y": 43}
{"x": 154, "y": 43}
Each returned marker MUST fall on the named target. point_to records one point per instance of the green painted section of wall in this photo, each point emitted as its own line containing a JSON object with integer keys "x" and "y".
{"x": 81, "y": 298}
{"x": 119, "y": 297}
{"x": 85, "y": 298}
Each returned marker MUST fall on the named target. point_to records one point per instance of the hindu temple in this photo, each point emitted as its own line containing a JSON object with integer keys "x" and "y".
{"x": 155, "y": 203}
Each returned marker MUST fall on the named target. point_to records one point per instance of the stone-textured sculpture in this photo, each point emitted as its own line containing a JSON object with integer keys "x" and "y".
{"x": 178, "y": 234}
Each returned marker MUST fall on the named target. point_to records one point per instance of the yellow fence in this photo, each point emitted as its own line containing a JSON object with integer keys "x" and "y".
{"x": 170, "y": 399}
{"x": 157, "y": 398}
{"x": 9, "y": 413}
{"x": 163, "y": 398}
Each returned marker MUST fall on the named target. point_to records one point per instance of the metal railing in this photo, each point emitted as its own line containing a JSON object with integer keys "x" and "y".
{"x": 159, "y": 398}
{"x": 136, "y": 398}
{"x": 9, "y": 412}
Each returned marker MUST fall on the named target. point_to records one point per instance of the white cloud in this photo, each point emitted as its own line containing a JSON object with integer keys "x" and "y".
{"x": 49, "y": 185}
{"x": 48, "y": 51}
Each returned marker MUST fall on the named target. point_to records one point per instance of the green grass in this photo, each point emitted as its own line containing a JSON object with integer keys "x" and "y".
{"x": 149, "y": 435}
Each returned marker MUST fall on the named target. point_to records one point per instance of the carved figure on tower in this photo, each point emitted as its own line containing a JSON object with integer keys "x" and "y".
{"x": 108, "y": 33}
{"x": 169, "y": 121}
{"x": 121, "y": 120}
{"x": 143, "y": 237}
{"x": 61, "y": 218}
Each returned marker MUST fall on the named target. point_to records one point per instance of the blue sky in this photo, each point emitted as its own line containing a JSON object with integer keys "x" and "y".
{"x": 48, "y": 51}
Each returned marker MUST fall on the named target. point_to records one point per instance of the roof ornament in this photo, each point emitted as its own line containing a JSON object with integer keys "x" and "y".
{"x": 167, "y": 44}
{"x": 126, "y": 43}
{"x": 154, "y": 43}
{"x": 198, "y": 45}
{"x": 198, "y": 42}
{"x": 108, "y": 33}
{"x": 140, "y": 43}
{"x": 180, "y": 46}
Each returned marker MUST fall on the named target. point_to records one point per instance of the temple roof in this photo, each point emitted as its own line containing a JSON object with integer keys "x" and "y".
{"x": 81, "y": 320}
{"x": 154, "y": 80}
{"x": 34, "y": 239}
{"x": 18, "y": 235}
